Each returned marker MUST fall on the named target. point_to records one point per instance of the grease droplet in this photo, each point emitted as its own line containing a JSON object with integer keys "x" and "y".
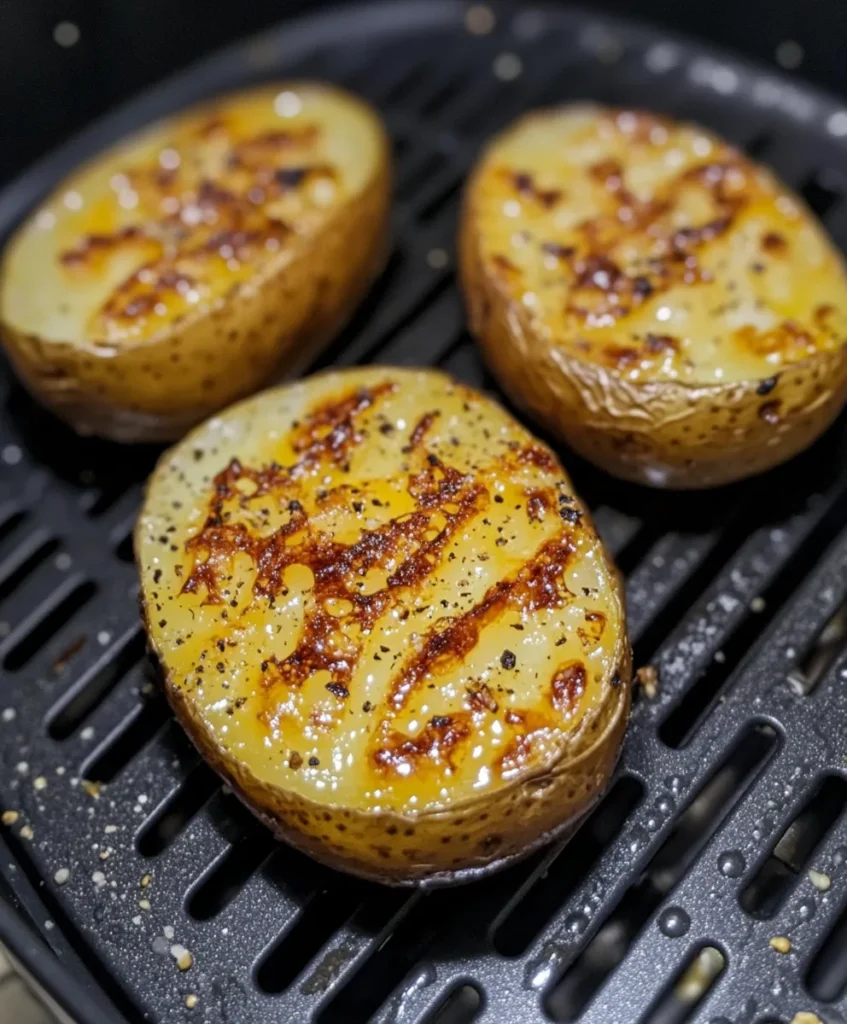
{"x": 576, "y": 923}
{"x": 731, "y": 863}
{"x": 674, "y": 922}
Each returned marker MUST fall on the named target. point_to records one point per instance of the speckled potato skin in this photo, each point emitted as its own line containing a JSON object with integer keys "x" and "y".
{"x": 455, "y": 837}
{"x": 681, "y": 433}
{"x": 265, "y": 327}
{"x": 460, "y": 844}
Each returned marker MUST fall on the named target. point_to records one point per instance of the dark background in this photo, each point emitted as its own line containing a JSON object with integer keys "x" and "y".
{"x": 47, "y": 91}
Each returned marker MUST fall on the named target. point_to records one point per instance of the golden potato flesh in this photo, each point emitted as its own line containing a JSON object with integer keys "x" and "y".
{"x": 653, "y": 295}
{"x": 188, "y": 265}
{"x": 386, "y": 619}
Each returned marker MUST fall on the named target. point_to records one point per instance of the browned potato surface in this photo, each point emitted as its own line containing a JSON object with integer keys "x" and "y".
{"x": 197, "y": 260}
{"x": 653, "y": 296}
{"x": 387, "y": 621}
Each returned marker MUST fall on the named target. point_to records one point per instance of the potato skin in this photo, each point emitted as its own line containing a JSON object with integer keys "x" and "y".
{"x": 268, "y": 326}
{"x": 463, "y": 838}
{"x": 665, "y": 433}
{"x": 485, "y": 835}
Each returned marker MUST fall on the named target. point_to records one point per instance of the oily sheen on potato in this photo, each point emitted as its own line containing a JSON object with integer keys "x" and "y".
{"x": 385, "y": 618}
{"x": 196, "y": 260}
{"x": 653, "y": 296}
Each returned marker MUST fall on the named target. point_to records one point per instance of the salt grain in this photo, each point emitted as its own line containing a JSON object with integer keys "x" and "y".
{"x": 61, "y": 876}
{"x": 9, "y": 714}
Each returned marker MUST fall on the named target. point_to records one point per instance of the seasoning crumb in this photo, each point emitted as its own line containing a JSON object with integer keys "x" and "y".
{"x": 757, "y": 605}
{"x": 648, "y": 677}
{"x": 10, "y": 817}
{"x": 26, "y": 832}
{"x": 109, "y": 829}
{"x": 507, "y": 67}
{"x": 39, "y": 783}
{"x": 804, "y": 1017}
{"x": 781, "y": 944}
{"x": 508, "y": 659}
{"x": 92, "y": 788}
{"x": 183, "y": 958}
{"x": 61, "y": 876}
{"x": 437, "y": 258}
{"x": 144, "y": 904}
{"x": 480, "y": 20}
{"x": 145, "y": 881}
{"x": 819, "y": 880}
{"x": 191, "y": 1000}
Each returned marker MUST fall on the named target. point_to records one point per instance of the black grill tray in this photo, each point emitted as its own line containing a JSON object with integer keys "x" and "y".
{"x": 732, "y": 783}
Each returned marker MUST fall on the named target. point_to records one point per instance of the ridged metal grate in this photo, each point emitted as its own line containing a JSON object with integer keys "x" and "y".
{"x": 732, "y": 785}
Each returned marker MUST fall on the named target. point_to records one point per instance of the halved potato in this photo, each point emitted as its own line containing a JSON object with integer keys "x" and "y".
{"x": 653, "y": 296}
{"x": 193, "y": 262}
{"x": 387, "y": 621}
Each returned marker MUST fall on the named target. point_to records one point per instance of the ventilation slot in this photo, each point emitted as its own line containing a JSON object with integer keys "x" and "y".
{"x": 442, "y": 97}
{"x": 324, "y": 914}
{"x": 170, "y": 819}
{"x": 660, "y": 626}
{"x": 694, "y": 828}
{"x": 124, "y": 549}
{"x": 441, "y": 198}
{"x": 374, "y": 982}
{"x": 461, "y": 1007}
{"x": 821, "y": 654}
{"x": 104, "y": 499}
{"x": 85, "y": 696}
{"x": 826, "y": 978}
{"x": 822, "y": 191}
{"x": 126, "y": 741}
{"x": 420, "y": 175}
{"x": 230, "y": 874}
{"x": 58, "y": 616}
{"x": 524, "y": 919}
{"x": 636, "y": 549}
{"x": 24, "y": 565}
{"x": 686, "y": 992}
{"x": 684, "y": 720}
{"x": 769, "y": 887}
{"x": 10, "y": 524}
{"x": 758, "y": 144}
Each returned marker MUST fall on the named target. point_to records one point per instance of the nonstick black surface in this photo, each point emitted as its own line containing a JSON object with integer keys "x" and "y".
{"x": 732, "y": 784}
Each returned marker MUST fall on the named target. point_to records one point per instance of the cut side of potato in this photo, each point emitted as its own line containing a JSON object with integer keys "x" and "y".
{"x": 198, "y": 259}
{"x": 653, "y": 296}
{"x": 387, "y": 621}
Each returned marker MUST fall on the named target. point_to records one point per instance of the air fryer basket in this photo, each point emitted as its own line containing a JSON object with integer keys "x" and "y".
{"x": 732, "y": 784}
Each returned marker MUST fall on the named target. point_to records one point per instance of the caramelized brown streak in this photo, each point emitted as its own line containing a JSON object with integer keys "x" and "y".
{"x": 435, "y": 746}
{"x": 539, "y": 584}
{"x": 567, "y": 688}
